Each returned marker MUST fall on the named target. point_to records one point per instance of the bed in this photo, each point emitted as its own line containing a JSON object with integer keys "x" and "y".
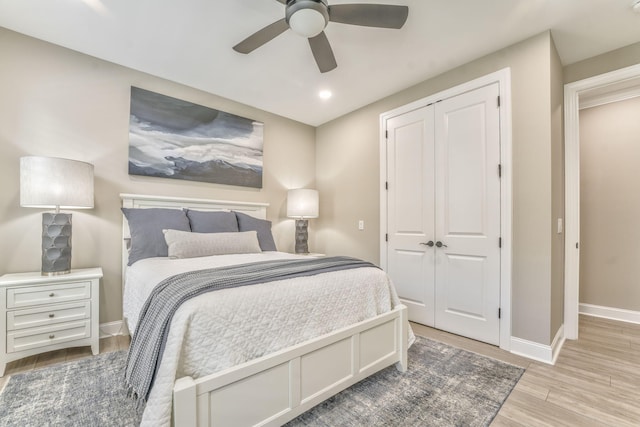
{"x": 223, "y": 365}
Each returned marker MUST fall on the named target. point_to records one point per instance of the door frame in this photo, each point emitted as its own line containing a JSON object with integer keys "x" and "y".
{"x": 572, "y": 93}
{"x": 503, "y": 78}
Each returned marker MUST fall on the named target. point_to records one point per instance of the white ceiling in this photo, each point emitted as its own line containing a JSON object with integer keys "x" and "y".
{"x": 189, "y": 41}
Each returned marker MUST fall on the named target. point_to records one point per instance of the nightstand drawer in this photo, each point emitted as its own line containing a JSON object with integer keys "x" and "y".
{"x": 27, "y": 339}
{"x": 47, "y": 294}
{"x": 48, "y": 315}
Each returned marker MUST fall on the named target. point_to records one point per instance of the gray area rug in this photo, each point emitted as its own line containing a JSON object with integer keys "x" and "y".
{"x": 86, "y": 392}
{"x": 444, "y": 386}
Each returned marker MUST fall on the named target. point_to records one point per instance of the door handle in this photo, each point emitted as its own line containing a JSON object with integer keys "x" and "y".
{"x": 429, "y": 243}
{"x": 440, "y": 244}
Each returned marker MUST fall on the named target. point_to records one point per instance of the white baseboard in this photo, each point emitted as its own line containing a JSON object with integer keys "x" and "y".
{"x": 619, "y": 314}
{"x": 111, "y": 329}
{"x": 540, "y": 352}
{"x": 556, "y": 345}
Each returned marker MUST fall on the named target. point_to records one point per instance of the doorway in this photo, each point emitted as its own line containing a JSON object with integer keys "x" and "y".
{"x": 609, "y": 83}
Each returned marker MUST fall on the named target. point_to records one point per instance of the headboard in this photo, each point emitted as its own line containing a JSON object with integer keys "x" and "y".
{"x": 258, "y": 210}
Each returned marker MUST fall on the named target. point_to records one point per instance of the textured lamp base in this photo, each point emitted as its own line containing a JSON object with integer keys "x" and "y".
{"x": 302, "y": 236}
{"x": 56, "y": 243}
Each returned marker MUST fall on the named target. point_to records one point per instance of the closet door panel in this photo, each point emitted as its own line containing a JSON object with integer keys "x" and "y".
{"x": 467, "y": 215}
{"x": 410, "y": 211}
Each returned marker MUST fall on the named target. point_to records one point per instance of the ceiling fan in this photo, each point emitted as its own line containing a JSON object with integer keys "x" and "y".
{"x": 309, "y": 18}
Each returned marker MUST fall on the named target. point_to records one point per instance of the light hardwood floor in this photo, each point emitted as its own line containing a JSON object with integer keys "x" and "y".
{"x": 595, "y": 382}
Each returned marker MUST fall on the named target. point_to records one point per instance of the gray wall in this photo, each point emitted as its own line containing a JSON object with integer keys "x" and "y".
{"x": 614, "y": 60}
{"x": 56, "y": 102}
{"x": 59, "y": 102}
{"x": 347, "y": 175}
{"x": 609, "y": 205}
{"x": 557, "y": 193}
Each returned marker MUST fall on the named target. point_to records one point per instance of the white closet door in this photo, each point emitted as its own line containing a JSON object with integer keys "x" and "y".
{"x": 410, "y": 211}
{"x": 467, "y": 203}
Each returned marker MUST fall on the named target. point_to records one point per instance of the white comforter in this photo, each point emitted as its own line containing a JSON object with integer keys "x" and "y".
{"x": 224, "y": 328}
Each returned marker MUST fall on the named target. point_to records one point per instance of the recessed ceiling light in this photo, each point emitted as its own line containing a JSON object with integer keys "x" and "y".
{"x": 325, "y": 94}
{"x": 96, "y": 5}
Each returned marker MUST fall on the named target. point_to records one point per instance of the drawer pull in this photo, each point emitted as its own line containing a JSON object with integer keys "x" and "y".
{"x": 52, "y": 294}
{"x": 51, "y": 315}
{"x": 52, "y": 336}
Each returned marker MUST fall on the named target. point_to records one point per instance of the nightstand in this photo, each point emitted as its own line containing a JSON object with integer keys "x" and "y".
{"x": 44, "y": 313}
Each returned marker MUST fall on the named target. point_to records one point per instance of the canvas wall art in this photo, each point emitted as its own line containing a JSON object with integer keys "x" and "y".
{"x": 171, "y": 138}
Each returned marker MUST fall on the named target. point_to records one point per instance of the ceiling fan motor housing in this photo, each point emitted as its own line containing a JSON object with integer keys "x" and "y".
{"x": 307, "y": 17}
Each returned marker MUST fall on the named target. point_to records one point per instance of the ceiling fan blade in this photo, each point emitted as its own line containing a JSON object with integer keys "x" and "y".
{"x": 322, "y": 52}
{"x": 369, "y": 15}
{"x": 283, "y": 2}
{"x": 262, "y": 36}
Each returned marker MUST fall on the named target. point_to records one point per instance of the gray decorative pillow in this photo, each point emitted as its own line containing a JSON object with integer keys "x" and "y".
{"x": 212, "y": 222}
{"x": 184, "y": 244}
{"x": 262, "y": 226}
{"x": 146, "y": 225}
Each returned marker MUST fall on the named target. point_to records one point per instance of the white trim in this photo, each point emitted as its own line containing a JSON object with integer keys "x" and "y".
{"x": 142, "y": 200}
{"x": 572, "y": 93}
{"x": 608, "y": 98}
{"x": 506, "y": 207}
{"x": 619, "y": 314}
{"x": 540, "y": 352}
{"x": 556, "y": 345}
{"x": 112, "y": 329}
{"x": 571, "y": 213}
{"x": 503, "y": 78}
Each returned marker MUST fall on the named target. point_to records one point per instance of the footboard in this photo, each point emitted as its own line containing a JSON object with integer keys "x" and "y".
{"x": 278, "y": 387}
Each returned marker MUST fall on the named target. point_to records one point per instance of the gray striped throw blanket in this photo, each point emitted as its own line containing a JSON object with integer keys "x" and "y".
{"x": 147, "y": 345}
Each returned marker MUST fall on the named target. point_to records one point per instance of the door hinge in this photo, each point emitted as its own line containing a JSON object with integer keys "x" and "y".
{"x": 577, "y": 245}
{"x": 386, "y": 134}
{"x": 499, "y": 242}
{"x": 499, "y": 313}
{"x": 386, "y": 237}
{"x": 499, "y": 170}
{"x": 498, "y": 101}
{"x": 386, "y": 185}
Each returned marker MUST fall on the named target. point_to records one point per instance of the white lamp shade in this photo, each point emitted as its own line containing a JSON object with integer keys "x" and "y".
{"x": 302, "y": 203}
{"x": 50, "y": 182}
{"x": 307, "y": 22}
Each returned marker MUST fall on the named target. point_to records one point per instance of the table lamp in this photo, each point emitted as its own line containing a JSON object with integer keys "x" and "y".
{"x": 301, "y": 205}
{"x": 50, "y": 182}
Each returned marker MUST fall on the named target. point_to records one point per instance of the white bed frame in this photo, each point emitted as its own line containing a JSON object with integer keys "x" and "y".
{"x": 274, "y": 389}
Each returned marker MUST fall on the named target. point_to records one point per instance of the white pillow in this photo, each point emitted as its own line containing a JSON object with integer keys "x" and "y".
{"x": 185, "y": 244}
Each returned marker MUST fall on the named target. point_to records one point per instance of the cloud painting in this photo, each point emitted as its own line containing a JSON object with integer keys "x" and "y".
{"x": 171, "y": 138}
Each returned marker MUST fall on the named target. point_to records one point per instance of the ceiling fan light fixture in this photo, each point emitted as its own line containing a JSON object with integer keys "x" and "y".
{"x": 307, "y": 18}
